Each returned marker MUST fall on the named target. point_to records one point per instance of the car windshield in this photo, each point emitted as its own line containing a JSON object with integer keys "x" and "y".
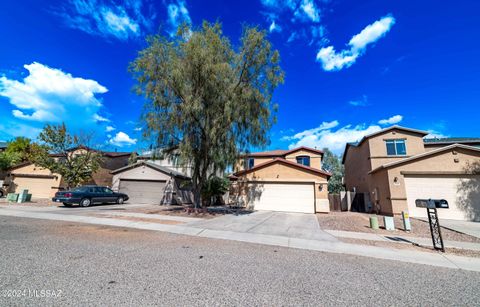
{"x": 79, "y": 189}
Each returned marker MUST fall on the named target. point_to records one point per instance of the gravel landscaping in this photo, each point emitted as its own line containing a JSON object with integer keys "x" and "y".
{"x": 39, "y": 202}
{"x": 211, "y": 212}
{"x": 359, "y": 222}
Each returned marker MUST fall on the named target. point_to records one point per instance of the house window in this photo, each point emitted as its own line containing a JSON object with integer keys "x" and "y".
{"x": 396, "y": 147}
{"x": 250, "y": 163}
{"x": 304, "y": 160}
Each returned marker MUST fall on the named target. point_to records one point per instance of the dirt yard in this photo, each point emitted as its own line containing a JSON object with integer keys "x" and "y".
{"x": 181, "y": 211}
{"x": 359, "y": 222}
{"x": 40, "y": 202}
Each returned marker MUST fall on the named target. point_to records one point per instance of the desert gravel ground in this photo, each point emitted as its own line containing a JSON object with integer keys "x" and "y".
{"x": 359, "y": 222}
{"x": 99, "y": 265}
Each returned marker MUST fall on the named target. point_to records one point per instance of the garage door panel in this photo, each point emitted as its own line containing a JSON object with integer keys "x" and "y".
{"x": 143, "y": 191}
{"x": 442, "y": 187}
{"x": 282, "y": 197}
{"x": 38, "y": 187}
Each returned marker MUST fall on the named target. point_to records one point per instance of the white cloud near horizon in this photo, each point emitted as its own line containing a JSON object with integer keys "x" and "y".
{"x": 334, "y": 61}
{"x": 391, "y": 121}
{"x": 107, "y": 18}
{"x": 326, "y": 136}
{"x": 109, "y": 128}
{"x": 51, "y": 95}
{"x": 122, "y": 139}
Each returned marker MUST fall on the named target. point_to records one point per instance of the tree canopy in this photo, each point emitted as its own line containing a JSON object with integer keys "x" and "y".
{"x": 76, "y": 167}
{"x": 332, "y": 164}
{"x": 207, "y": 99}
{"x": 18, "y": 150}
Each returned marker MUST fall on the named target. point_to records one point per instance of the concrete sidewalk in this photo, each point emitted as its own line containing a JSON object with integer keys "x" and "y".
{"x": 434, "y": 259}
{"x": 466, "y": 227}
{"x": 393, "y": 238}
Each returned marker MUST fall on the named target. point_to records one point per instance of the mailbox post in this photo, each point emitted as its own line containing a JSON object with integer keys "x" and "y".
{"x": 432, "y": 205}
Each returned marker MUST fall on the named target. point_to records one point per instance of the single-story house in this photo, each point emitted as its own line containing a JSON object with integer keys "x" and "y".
{"x": 281, "y": 180}
{"x": 149, "y": 183}
{"x": 42, "y": 183}
{"x": 393, "y": 167}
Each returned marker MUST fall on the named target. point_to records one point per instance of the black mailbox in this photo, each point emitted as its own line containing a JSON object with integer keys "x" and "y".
{"x": 432, "y": 203}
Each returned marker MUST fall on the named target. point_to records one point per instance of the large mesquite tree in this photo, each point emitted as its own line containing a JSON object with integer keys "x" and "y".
{"x": 206, "y": 98}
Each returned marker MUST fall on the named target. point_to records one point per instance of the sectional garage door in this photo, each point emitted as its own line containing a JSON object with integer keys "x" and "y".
{"x": 143, "y": 191}
{"x": 287, "y": 197}
{"x": 461, "y": 192}
{"x": 38, "y": 187}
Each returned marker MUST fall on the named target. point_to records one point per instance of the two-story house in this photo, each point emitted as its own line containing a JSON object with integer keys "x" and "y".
{"x": 389, "y": 169}
{"x": 281, "y": 180}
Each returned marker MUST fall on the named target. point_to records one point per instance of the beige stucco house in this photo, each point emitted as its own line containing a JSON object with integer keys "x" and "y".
{"x": 42, "y": 183}
{"x": 150, "y": 183}
{"x": 390, "y": 169}
{"x": 281, "y": 180}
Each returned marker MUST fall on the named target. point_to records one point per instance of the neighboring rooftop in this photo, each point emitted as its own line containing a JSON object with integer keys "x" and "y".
{"x": 281, "y": 152}
{"x": 463, "y": 140}
{"x": 160, "y": 168}
{"x": 3, "y": 145}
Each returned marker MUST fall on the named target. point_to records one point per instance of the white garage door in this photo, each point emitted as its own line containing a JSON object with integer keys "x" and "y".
{"x": 38, "y": 187}
{"x": 287, "y": 197}
{"x": 143, "y": 191}
{"x": 462, "y": 194}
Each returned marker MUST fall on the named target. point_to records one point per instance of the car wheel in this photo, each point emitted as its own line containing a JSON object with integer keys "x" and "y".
{"x": 67, "y": 204}
{"x": 120, "y": 200}
{"x": 85, "y": 202}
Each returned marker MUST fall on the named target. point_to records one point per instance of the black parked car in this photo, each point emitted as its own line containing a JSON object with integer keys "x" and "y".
{"x": 87, "y": 195}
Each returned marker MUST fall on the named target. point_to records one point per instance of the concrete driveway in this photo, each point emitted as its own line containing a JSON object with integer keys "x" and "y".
{"x": 293, "y": 225}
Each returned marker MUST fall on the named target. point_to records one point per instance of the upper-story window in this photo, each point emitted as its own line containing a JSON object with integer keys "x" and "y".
{"x": 304, "y": 160}
{"x": 250, "y": 163}
{"x": 396, "y": 147}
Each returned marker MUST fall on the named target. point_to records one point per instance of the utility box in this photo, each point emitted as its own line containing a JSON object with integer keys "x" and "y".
{"x": 22, "y": 197}
{"x": 12, "y": 197}
{"x": 388, "y": 222}
{"x": 406, "y": 221}
{"x": 374, "y": 222}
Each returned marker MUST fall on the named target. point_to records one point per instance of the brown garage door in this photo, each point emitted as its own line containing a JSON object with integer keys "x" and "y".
{"x": 143, "y": 191}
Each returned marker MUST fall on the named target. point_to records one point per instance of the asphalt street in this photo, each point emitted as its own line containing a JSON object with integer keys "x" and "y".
{"x": 61, "y": 263}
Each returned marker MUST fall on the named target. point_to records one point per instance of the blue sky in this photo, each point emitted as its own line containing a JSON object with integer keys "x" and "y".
{"x": 352, "y": 67}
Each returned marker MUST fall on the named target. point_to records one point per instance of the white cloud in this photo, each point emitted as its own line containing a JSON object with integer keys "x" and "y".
{"x": 107, "y": 18}
{"x": 51, "y": 95}
{"x": 391, "y": 121}
{"x": 122, "y": 139}
{"x": 300, "y": 18}
{"x": 332, "y": 60}
{"x": 100, "y": 119}
{"x": 433, "y": 134}
{"x": 177, "y": 14}
{"x": 335, "y": 140}
{"x": 274, "y": 27}
{"x": 362, "y": 102}
{"x": 109, "y": 128}
{"x": 309, "y": 10}
{"x": 310, "y": 132}
{"x": 137, "y": 129}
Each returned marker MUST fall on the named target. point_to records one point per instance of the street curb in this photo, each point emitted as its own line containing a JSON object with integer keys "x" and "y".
{"x": 434, "y": 259}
